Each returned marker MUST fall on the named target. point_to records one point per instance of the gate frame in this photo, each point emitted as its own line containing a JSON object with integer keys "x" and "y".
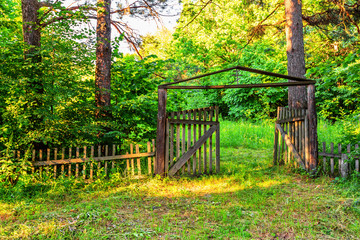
{"x": 293, "y": 81}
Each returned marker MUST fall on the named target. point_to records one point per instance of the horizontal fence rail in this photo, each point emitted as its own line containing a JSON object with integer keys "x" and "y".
{"x": 189, "y": 141}
{"x": 89, "y": 162}
{"x": 340, "y": 163}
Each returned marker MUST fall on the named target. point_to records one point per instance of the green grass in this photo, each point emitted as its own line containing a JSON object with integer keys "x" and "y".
{"x": 249, "y": 199}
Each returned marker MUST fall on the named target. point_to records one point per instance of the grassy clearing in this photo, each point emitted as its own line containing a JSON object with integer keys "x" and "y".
{"x": 250, "y": 199}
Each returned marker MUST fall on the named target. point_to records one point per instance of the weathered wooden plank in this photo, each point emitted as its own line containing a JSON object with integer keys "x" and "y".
{"x": 259, "y": 85}
{"x": 217, "y": 136}
{"x": 192, "y": 122}
{"x": 48, "y": 159}
{"x": 307, "y": 149}
{"x": 205, "y": 144}
{"x": 91, "y": 164}
{"x": 172, "y": 142}
{"x": 113, "y": 153}
{"x": 291, "y": 146}
{"x": 77, "y": 165}
{"x": 161, "y": 133}
{"x": 183, "y": 140}
{"x": 149, "y": 158}
{"x": 84, "y": 164}
{"x": 199, "y": 149}
{"x": 70, "y": 156}
{"x": 99, "y": 155}
{"x": 138, "y": 160}
{"x": 153, "y": 149}
{"x": 194, "y": 140}
{"x": 55, "y": 158}
{"x": 184, "y": 158}
{"x": 313, "y": 138}
{"x": 167, "y": 155}
{"x": 189, "y": 142}
{"x": 210, "y": 144}
{"x": 246, "y": 69}
{"x": 276, "y": 140}
{"x": 293, "y": 119}
{"x": 82, "y": 160}
{"x": 332, "y": 163}
{"x": 106, "y": 163}
{"x": 132, "y": 159}
{"x": 177, "y": 151}
{"x": 62, "y": 158}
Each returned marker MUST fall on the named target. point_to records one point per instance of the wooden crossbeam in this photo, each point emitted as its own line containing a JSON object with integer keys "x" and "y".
{"x": 291, "y": 120}
{"x": 192, "y": 122}
{"x": 291, "y": 146}
{"x": 184, "y": 158}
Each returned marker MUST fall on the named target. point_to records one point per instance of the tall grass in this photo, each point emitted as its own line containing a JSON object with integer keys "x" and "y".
{"x": 260, "y": 134}
{"x": 245, "y": 133}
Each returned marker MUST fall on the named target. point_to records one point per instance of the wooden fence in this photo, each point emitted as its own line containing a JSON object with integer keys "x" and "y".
{"x": 189, "y": 141}
{"x": 87, "y": 162}
{"x": 292, "y": 142}
{"x": 340, "y": 163}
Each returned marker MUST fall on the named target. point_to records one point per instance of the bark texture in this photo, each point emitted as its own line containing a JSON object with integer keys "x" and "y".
{"x": 103, "y": 60}
{"x": 297, "y": 96}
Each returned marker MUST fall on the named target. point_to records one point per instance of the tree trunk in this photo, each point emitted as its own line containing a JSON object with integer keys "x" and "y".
{"x": 31, "y": 30}
{"x": 297, "y": 96}
{"x": 103, "y": 60}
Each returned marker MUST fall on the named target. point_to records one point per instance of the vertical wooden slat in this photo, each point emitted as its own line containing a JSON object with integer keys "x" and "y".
{"x": 184, "y": 137}
{"x": 189, "y": 142}
{"x": 113, "y": 154}
{"x": 324, "y": 158}
{"x": 55, "y": 158}
{"x": 357, "y": 160}
{"x": 303, "y": 114}
{"x": 177, "y": 137}
{"x": 172, "y": 141}
{"x": 205, "y": 144}
{"x": 154, "y": 147}
{"x": 307, "y": 150}
{"x": 199, "y": 150}
{"x": 84, "y": 164}
{"x": 91, "y": 164}
{"x": 33, "y": 160}
{"x": 339, "y": 160}
{"x": 287, "y": 151}
{"x": 47, "y": 159}
{"x": 138, "y": 160}
{"x": 161, "y": 132}
{"x": 62, "y": 158}
{"x": 77, "y": 165}
{"x": 166, "y": 149}
{"x": 127, "y": 166}
{"x": 194, "y": 140}
{"x": 40, "y": 159}
{"x": 149, "y": 158}
{"x": 210, "y": 143}
{"x": 99, "y": 155}
{"x": 70, "y": 156}
{"x": 217, "y": 148}
{"x": 300, "y": 134}
{"x": 313, "y": 143}
{"x": 282, "y": 157}
{"x": 276, "y": 139}
{"x": 106, "y": 162}
{"x": 132, "y": 160}
{"x": 332, "y": 159}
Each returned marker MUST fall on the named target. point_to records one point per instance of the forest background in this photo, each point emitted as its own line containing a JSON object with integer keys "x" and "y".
{"x": 209, "y": 36}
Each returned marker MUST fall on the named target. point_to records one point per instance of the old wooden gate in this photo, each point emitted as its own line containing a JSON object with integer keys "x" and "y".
{"x": 293, "y": 142}
{"x": 189, "y": 141}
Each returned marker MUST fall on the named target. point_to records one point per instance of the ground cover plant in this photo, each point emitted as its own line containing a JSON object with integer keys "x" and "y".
{"x": 249, "y": 199}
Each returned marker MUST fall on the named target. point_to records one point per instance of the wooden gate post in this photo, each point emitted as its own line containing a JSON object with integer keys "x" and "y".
{"x": 161, "y": 133}
{"x": 312, "y": 120}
